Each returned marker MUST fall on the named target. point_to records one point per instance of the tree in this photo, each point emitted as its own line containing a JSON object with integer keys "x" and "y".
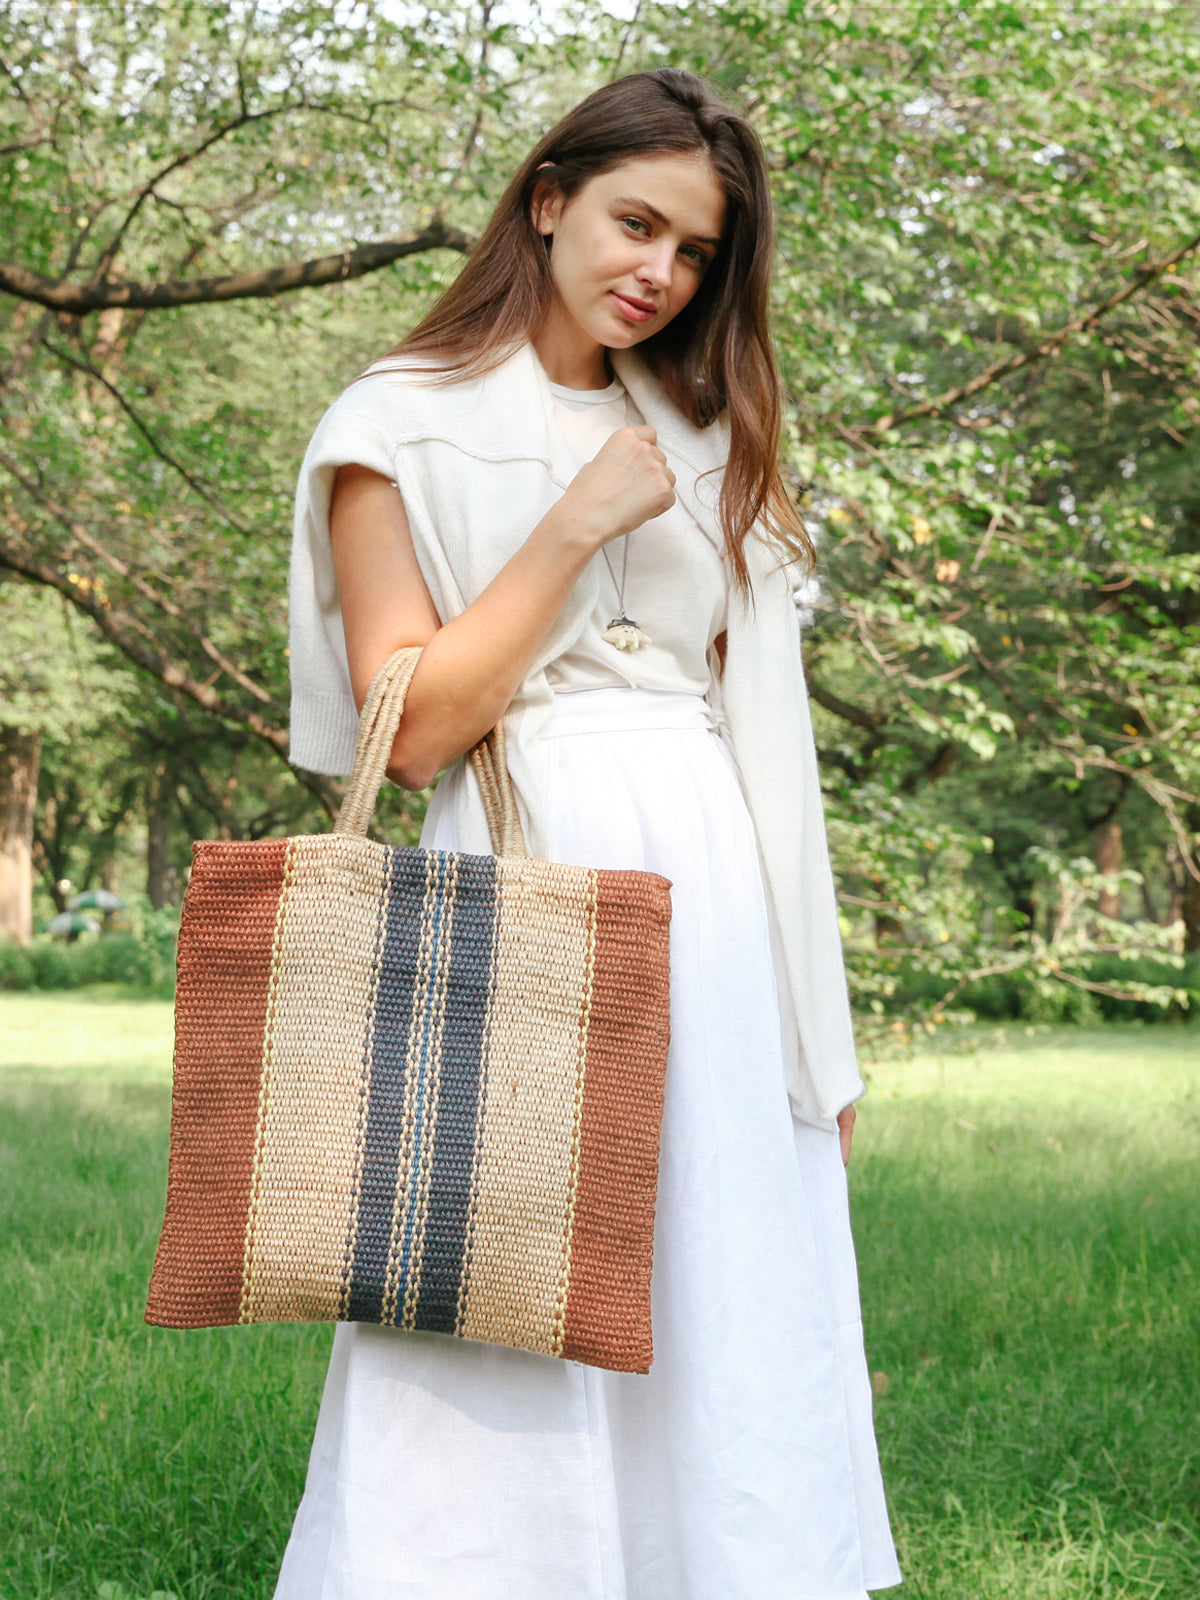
{"x": 54, "y": 686}
{"x": 986, "y": 308}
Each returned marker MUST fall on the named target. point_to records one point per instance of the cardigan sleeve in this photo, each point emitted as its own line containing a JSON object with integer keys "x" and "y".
{"x": 766, "y": 705}
{"x": 324, "y": 717}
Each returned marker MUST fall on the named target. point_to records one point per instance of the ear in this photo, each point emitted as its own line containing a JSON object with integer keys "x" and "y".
{"x": 547, "y": 205}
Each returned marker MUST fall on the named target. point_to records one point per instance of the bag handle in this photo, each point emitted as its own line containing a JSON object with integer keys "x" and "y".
{"x": 377, "y": 726}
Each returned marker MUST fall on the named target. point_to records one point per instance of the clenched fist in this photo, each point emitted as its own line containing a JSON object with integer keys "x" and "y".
{"x": 626, "y": 484}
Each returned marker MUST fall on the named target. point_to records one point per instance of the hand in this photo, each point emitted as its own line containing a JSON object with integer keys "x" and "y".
{"x": 626, "y": 484}
{"x": 845, "y": 1124}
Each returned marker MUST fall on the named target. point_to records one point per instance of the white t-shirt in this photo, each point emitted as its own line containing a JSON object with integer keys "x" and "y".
{"x": 674, "y": 576}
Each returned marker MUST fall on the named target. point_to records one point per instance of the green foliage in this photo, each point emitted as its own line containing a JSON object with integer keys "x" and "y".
{"x": 53, "y": 676}
{"x": 919, "y": 953}
{"x": 1115, "y": 975}
{"x": 1004, "y": 646}
{"x": 146, "y": 963}
{"x": 1020, "y": 996}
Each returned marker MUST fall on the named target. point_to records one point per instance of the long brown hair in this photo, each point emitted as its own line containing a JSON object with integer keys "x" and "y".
{"x": 715, "y": 357}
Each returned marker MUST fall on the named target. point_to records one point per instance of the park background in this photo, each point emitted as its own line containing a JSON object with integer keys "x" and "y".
{"x": 986, "y": 307}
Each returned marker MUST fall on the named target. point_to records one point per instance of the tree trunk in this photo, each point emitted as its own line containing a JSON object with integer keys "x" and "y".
{"x": 158, "y": 838}
{"x": 1148, "y": 906}
{"x": 20, "y": 757}
{"x": 1190, "y": 898}
{"x": 1025, "y": 903}
{"x": 1191, "y": 911}
{"x": 1106, "y": 852}
{"x": 1174, "y": 911}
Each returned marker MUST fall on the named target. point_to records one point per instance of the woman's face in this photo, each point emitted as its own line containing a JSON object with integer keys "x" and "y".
{"x": 630, "y": 249}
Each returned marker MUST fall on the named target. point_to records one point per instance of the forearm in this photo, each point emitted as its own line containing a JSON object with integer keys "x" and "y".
{"x": 473, "y": 665}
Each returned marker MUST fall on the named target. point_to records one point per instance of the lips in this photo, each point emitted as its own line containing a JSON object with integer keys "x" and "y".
{"x": 633, "y": 310}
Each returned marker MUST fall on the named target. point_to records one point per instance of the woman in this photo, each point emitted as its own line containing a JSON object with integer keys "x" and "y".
{"x": 564, "y": 485}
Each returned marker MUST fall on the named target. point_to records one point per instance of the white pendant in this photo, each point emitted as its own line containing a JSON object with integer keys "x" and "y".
{"x": 625, "y": 634}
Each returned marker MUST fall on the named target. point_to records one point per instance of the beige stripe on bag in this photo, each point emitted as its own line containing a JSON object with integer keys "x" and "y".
{"x": 526, "y": 1141}
{"x": 305, "y": 1196}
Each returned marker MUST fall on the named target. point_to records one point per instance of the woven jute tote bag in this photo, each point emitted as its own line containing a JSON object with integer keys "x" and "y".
{"x": 417, "y": 1087}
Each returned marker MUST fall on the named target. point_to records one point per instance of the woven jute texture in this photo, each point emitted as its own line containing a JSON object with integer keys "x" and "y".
{"x": 417, "y": 1087}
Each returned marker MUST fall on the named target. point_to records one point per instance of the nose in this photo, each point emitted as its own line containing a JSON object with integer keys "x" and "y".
{"x": 657, "y": 264}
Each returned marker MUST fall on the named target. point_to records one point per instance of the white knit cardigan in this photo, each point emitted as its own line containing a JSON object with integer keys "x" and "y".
{"x": 479, "y": 463}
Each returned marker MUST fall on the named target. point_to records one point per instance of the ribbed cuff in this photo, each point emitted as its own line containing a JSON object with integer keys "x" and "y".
{"x": 323, "y": 732}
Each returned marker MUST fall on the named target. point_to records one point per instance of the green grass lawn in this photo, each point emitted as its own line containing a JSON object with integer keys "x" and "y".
{"x": 1026, "y": 1214}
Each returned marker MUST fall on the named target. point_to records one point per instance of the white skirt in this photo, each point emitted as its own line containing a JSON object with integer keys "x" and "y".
{"x": 743, "y": 1467}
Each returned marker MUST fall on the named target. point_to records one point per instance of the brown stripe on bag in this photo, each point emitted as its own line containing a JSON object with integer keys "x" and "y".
{"x": 608, "y": 1298}
{"x": 220, "y": 1008}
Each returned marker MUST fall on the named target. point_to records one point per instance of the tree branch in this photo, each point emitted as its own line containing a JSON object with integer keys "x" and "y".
{"x": 148, "y": 592}
{"x": 22, "y": 144}
{"x": 160, "y": 450}
{"x": 78, "y": 299}
{"x": 1024, "y": 358}
{"x": 119, "y": 631}
{"x": 939, "y": 764}
{"x": 184, "y": 157}
{"x": 842, "y": 708}
{"x": 1164, "y": 796}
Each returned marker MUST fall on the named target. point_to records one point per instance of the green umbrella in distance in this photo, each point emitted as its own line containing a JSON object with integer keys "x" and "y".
{"x": 96, "y": 900}
{"x": 69, "y": 924}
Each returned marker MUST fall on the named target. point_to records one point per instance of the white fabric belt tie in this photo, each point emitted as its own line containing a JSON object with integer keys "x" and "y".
{"x": 618, "y": 710}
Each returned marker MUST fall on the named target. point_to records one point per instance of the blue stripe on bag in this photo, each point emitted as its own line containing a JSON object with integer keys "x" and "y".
{"x": 463, "y": 1035}
{"x": 438, "y": 923}
{"x": 385, "y": 1108}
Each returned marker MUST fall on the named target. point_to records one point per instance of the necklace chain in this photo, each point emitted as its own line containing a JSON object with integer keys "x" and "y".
{"x": 623, "y": 632}
{"x": 620, "y": 587}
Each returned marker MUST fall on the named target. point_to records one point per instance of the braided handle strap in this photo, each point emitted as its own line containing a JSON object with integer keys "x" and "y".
{"x": 377, "y": 726}
{"x": 490, "y": 761}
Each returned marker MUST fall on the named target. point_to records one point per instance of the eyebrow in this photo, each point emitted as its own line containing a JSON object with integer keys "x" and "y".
{"x": 644, "y": 205}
